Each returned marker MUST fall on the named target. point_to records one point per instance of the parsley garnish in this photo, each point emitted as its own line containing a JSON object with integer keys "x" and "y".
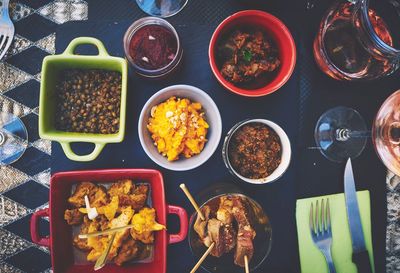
{"x": 247, "y": 55}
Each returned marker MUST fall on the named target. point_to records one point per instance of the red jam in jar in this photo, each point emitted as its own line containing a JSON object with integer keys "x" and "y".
{"x": 153, "y": 47}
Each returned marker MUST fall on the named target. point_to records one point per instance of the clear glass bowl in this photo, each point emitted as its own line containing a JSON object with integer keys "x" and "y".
{"x": 163, "y": 71}
{"x": 13, "y": 138}
{"x": 225, "y": 264}
{"x": 161, "y": 8}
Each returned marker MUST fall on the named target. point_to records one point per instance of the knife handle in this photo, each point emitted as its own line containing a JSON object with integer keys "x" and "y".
{"x": 361, "y": 259}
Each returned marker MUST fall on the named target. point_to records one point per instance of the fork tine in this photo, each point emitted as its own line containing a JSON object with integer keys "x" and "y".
{"x": 6, "y": 47}
{"x": 317, "y": 220}
{"x": 323, "y": 216}
{"x": 328, "y": 214}
{"x": 312, "y": 218}
{"x": 2, "y": 40}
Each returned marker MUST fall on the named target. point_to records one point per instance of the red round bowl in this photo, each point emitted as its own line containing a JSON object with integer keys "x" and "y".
{"x": 275, "y": 29}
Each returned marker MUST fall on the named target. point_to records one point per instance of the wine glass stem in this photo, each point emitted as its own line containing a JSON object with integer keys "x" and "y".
{"x": 2, "y": 138}
{"x": 346, "y": 134}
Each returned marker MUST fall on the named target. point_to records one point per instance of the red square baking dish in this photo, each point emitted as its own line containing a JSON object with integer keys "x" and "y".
{"x": 60, "y": 239}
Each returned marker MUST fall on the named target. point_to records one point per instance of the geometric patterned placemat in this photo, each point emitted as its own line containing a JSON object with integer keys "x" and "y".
{"x": 393, "y": 224}
{"x": 24, "y": 184}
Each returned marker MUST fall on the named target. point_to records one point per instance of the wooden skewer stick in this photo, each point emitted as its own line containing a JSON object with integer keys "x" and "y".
{"x": 203, "y": 258}
{"x": 191, "y": 199}
{"x": 246, "y": 264}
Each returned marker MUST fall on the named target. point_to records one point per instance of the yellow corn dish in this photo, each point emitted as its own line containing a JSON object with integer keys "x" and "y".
{"x": 178, "y": 126}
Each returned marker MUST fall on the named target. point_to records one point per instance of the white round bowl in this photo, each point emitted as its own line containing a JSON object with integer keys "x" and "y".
{"x": 286, "y": 152}
{"x": 212, "y": 115}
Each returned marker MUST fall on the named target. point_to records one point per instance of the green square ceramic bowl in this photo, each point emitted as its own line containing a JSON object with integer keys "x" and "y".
{"x": 51, "y": 68}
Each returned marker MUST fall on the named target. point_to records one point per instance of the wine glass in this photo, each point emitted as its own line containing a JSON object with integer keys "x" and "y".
{"x": 161, "y": 8}
{"x": 341, "y": 133}
{"x": 13, "y": 138}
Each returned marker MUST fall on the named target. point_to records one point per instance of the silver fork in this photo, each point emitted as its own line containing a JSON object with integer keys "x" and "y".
{"x": 6, "y": 29}
{"x": 321, "y": 231}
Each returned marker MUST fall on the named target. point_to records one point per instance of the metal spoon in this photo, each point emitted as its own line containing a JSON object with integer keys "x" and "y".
{"x": 101, "y": 261}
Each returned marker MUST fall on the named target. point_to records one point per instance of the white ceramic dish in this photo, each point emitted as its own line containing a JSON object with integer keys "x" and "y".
{"x": 286, "y": 152}
{"x": 212, "y": 115}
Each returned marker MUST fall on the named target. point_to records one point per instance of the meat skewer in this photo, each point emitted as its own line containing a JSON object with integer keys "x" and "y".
{"x": 201, "y": 260}
{"x": 229, "y": 226}
{"x": 219, "y": 234}
{"x": 246, "y": 264}
{"x": 200, "y": 226}
{"x": 246, "y": 233}
{"x": 191, "y": 199}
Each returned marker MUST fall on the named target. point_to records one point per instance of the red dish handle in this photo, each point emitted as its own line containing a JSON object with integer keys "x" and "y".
{"x": 183, "y": 220}
{"x": 35, "y": 236}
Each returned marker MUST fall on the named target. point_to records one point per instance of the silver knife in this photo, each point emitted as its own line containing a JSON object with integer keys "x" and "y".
{"x": 360, "y": 252}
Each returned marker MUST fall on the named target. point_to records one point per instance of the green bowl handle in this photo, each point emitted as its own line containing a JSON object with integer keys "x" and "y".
{"x": 66, "y": 146}
{"x": 86, "y": 41}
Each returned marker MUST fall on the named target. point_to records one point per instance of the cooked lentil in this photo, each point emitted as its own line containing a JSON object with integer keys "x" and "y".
{"x": 255, "y": 150}
{"x": 88, "y": 101}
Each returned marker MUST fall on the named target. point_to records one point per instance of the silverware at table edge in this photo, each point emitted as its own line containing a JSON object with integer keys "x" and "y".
{"x": 7, "y": 29}
{"x": 102, "y": 260}
{"x": 321, "y": 231}
{"x": 103, "y": 232}
{"x": 360, "y": 252}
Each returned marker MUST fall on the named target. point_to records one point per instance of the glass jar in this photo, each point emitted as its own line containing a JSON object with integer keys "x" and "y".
{"x": 159, "y": 72}
{"x": 354, "y": 42}
{"x": 386, "y": 133}
{"x": 210, "y": 196}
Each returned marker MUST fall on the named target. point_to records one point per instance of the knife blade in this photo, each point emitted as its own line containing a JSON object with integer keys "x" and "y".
{"x": 360, "y": 252}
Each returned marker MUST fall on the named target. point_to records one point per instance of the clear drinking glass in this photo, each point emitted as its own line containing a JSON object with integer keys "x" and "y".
{"x": 356, "y": 42}
{"x": 262, "y": 243}
{"x": 13, "y": 138}
{"x": 386, "y": 133}
{"x": 161, "y": 8}
{"x": 341, "y": 133}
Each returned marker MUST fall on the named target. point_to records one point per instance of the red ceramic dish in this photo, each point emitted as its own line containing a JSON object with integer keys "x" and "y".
{"x": 60, "y": 240}
{"x": 279, "y": 34}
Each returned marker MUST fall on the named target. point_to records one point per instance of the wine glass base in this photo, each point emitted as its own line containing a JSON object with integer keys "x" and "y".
{"x": 161, "y": 8}
{"x": 2, "y": 138}
{"x": 13, "y": 138}
{"x": 331, "y": 134}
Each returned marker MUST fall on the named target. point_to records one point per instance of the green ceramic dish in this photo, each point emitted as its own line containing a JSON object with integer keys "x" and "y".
{"x": 52, "y": 66}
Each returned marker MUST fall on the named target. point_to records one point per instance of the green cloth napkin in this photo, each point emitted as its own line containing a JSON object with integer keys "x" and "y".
{"x": 311, "y": 259}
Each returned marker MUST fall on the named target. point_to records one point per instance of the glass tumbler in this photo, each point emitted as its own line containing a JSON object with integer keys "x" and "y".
{"x": 225, "y": 264}
{"x": 359, "y": 39}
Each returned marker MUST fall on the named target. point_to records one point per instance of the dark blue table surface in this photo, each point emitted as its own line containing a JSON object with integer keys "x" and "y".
{"x": 296, "y": 107}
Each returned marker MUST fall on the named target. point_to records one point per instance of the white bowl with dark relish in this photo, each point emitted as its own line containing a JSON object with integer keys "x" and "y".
{"x": 257, "y": 151}
{"x": 152, "y": 47}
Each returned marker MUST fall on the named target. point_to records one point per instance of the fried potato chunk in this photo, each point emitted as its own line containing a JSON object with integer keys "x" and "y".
{"x": 121, "y": 187}
{"x": 82, "y": 243}
{"x": 108, "y": 210}
{"x": 97, "y": 195}
{"x": 141, "y": 189}
{"x": 111, "y": 209}
{"x": 130, "y": 249}
{"x": 84, "y": 188}
{"x": 73, "y": 217}
{"x": 122, "y": 220}
{"x": 97, "y": 244}
{"x": 144, "y": 223}
{"x": 137, "y": 199}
